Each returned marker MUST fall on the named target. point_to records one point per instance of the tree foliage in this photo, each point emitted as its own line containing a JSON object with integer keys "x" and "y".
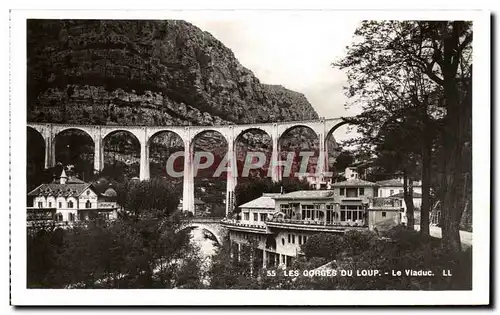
{"x": 145, "y": 249}
{"x": 399, "y": 249}
{"x": 417, "y": 75}
{"x": 151, "y": 198}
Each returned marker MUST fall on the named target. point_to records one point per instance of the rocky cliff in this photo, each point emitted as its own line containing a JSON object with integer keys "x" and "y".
{"x": 148, "y": 73}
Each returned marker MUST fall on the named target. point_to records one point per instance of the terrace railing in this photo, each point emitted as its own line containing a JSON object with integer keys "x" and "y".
{"x": 238, "y": 223}
{"x": 360, "y": 223}
{"x": 380, "y": 202}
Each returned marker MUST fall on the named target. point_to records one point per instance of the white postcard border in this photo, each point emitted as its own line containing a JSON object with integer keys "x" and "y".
{"x": 481, "y": 185}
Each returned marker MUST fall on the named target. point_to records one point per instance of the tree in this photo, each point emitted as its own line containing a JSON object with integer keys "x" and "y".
{"x": 234, "y": 269}
{"x": 146, "y": 249}
{"x": 419, "y": 60}
{"x": 343, "y": 160}
{"x": 152, "y": 198}
{"x": 397, "y": 150}
{"x": 326, "y": 245}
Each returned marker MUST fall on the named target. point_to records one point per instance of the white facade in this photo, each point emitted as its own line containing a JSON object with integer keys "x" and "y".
{"x": 67, "y": 208}
{"x": 70, "y": 201}
{"x": 255, "y": 216}
{"x": 393, "y": 190}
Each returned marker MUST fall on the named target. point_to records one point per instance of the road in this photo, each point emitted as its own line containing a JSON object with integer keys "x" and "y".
{"x": 465, "y": 237}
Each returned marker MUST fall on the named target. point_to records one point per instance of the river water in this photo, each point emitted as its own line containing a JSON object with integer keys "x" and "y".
{"x": 204, "y": 240}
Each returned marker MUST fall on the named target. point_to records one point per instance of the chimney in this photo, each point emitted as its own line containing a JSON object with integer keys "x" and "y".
{"x": 63, "y": 179}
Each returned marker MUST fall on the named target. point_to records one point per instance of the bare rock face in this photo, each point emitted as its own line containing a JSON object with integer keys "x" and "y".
{"x": 148, "y": 73}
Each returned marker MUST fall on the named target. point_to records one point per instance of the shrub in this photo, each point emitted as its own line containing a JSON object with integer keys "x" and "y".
{"x": 325, "y": 245}
{"x": 356, "y": 242}
{"x": 407, "y": 238}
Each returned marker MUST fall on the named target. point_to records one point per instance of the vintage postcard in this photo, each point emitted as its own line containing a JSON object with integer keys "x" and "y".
{"x": 250, "y": 157}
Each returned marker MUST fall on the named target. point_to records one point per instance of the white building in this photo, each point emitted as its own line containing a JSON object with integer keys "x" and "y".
{"x": 394, "y": 188}
{"x": 70, "y": 200}
{"x": 281, "y": 223}
{"x": 391, "y": 187}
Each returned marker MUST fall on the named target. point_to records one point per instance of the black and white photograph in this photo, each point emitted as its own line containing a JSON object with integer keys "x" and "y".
{"x": 250, "y": 158}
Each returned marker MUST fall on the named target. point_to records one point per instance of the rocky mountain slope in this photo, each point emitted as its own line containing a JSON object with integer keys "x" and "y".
{"x": 145, "y": 72}
{"x": 148, "y": 73}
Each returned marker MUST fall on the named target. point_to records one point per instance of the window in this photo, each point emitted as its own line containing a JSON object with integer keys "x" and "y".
{"x": 383, "y": 214}
{"x": 304, "y": 239}
{"x": 300, "y": 239}
{"x": 391, "y": 192}
{"x": 351, "y": 192}
{"x": 88, "y": 204}
{"x": 256, "y": 217}
{"x": 307, "y": 211}
{"x": 59, "y": 217}
{"x": 342, "y": 192}
{"x": 40, "y": 204}
{"x": 361, "y": 191}
{"x": 284, "y": 208}
{"x": 88, "y": 192}
{"x": 283, "y": 240}
{"x": 71, "y": 217}
{"x": 70, "y": 204}
{"x": 293, "y": 238}
{"x": 246, "y": 216}
{"x": 287, "y": 210}
{"x": 289, "y": 238}
{"x": 60, "y": 204}
{"x": 50, "y": 204}
{"x": 263, "y": 217}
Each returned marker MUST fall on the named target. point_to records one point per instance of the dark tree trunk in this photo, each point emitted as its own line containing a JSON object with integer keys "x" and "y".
{"x": 456, "y": 136}
{"x": 408, "y": 197}
{"x": 426, "y": 180}
{"x": 454, "y": 179}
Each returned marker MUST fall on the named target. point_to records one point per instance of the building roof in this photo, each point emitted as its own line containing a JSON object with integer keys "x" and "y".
{"x": 355, "y": 182}
{"x": 395, "y": 183}
{"x": 401, "y": 195}
{"x": 74, "y": 180}
{"x": 307, "y": 194}
{"x": 60, "y": 190}
{"x": 266, "y": 201}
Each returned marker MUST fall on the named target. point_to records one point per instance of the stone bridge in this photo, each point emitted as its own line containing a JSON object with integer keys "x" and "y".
{"x": 212, "y": 225}
{"x": 323, "y": 128}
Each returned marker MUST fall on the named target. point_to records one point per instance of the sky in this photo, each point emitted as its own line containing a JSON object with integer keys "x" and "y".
{"x": 293, "y": 51}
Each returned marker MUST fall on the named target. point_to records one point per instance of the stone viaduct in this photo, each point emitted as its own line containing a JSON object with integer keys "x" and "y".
{"x": 322, "y": 127}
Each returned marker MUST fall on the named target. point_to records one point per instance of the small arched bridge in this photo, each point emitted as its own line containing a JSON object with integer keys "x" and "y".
{"x": 210, "y": 224}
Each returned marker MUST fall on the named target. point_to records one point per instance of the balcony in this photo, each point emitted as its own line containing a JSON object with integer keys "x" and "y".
{"x": 317, "y": 226}
{"x": 386, "y": 203}
{"x": 237, "y": 225}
